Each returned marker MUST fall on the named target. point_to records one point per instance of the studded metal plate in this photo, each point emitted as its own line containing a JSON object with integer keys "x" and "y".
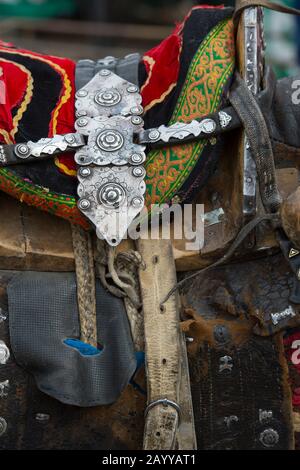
{"x": 107, "y": 94}
{"x": 111, "y": 197}
{"x": 110, "y": 141}
{"x": 110, "y": 173}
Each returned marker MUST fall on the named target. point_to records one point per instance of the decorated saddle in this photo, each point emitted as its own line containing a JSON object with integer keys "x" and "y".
{"x": 185, "y": 77}
{"x": 96, "y": 141}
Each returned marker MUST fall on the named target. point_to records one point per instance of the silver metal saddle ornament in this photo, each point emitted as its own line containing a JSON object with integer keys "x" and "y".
{"x": 109, "y": 145}
{"x": 110, "y": 172}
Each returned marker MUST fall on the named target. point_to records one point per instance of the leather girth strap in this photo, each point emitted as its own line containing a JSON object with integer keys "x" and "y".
{"x": 169, "y": 400}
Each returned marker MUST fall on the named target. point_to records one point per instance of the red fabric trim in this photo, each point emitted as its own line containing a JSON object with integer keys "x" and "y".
{"x": 162, "y": 66}
{"x": 292, "y": 351}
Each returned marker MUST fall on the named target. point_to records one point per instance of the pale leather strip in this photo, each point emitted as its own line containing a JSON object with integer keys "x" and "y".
{"x": 163, "y": 345}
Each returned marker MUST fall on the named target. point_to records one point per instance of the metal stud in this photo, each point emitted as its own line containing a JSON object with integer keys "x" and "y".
{"x": 85, "y": 172}
{"x": 84, "y": 204}
{"x": 42, "y": 417}
{"x": 208, "y": 126}
{"x": 137, "y": 110}
{"x": 138, "y": 171}
{"x": 81, "y": 93}
{"x": 4, "y": 389}
{"x": 70, "y": 139}
{"x": 226, "y": 363}
{"x": 154, "y": 135}
{"x": 269, "y": 437}
{"x": 3, "y": 317}
{"x": 4, "y": 353}
{"x": 104, "y": 73}
{"x": 265, "y": 415}
{"x": 224, "y": 119}
{"x": 81, "y": 113}
{"x": 22, "y": 150}
{"x": 136, "y": 158}
{"x": 293, "y": 252}
{"x": 221, "y": 334}
{"x": 82, "y": 122}
{"x": 136, "y": 120}
{"x": 137, "y": 202}
{"x": 132, "y": 89}
{"x": 3, "y": 426}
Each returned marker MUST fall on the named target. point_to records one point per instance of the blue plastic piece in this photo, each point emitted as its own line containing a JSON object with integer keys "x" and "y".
{"x": 84, "y": 348}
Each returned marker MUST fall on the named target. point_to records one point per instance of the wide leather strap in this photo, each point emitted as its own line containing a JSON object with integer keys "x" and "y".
{"x": 165, "y": 352}
{"x": 257, "y": 133}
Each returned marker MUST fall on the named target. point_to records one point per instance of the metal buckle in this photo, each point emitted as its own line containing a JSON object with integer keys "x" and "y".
{"x": 165, "y": 402}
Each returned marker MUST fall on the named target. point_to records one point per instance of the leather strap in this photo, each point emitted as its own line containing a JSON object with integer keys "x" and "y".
{"x": 258, "y": 136}
{"x": 127, "y": 68}
{"x": 243, "y": 233}
{"x": 242, "y": 4}
{"x": 162, "y": 345}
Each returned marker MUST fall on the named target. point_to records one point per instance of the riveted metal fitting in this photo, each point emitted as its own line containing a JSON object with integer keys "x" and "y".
{"x": 269, "y": 437}
{"x": 3, "y": 426}
{"x": 4, "y": 353}
{"x": 221, "y": 334}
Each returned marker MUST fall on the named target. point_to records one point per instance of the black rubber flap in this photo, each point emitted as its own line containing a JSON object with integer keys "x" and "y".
{"x": 43, "y": 313}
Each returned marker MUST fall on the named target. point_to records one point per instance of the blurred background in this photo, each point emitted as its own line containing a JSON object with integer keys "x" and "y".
{"x": 95, "y": 28}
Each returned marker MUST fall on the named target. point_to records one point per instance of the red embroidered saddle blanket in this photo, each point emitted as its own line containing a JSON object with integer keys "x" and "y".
{"x": 184, "y": 77}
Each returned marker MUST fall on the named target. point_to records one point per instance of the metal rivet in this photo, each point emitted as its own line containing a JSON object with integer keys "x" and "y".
{"x": 42, "y": 417}
{"x": 138, "y": 171}
{"x": 136, "y": 120}
{"x": 132, "y": 89}
{"x": 104, "y": 73}
{"x": 84, "y": 172}
{"x": 221, "y": 334}
{"x": 70, "y": 139}
{"x": 84, "y": 204}
{"x": 137, "y": 202}
{"x": 189, "y": 339}
{"x": 137, "y": 110}
{"x": 154, "y": 135}
{"x": 81, "y": 93}
{"x": 22, "y": 150}
{"x": 82, "y": 158}
{"x": 269, "y": 437}
{"x": 226, "y": 363}
{"x": 136, "y": 158}
{"x": 4, "y": 353}
{"x": 81, "y": 113}
{"x": 4, "y": 389}
{"x": 3, "y": 426}
{"x": 82, "y": 122}
{"x": 265, "y": 415}
{"x": 3, "y": 317}
{"x": 228, "y": 420}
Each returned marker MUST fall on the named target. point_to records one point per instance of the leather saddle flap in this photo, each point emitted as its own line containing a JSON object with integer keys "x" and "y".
{"x": 43, "y": 315}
